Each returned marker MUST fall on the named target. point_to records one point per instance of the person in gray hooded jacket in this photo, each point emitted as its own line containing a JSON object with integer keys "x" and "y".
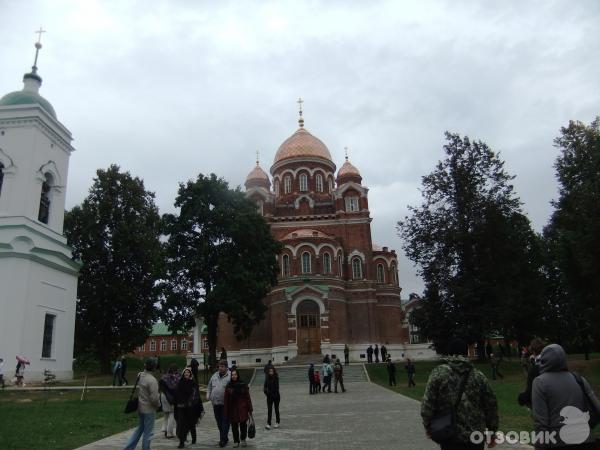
{"x": 559, "y": 405}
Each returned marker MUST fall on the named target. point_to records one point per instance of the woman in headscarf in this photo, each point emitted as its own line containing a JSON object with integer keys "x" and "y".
{"x": 238, "y": 407}
{"x": 168, "y": 388}
{"x": 188, "y": 407}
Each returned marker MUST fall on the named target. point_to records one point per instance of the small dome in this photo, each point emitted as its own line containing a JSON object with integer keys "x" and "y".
{"x": 302, "y": 144}
{"x": 27, "y": 98}
{"x": 349, "y": 173}
{"x": 257, "y": 177}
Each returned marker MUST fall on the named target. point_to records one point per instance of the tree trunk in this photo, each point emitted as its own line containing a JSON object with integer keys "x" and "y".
{"x": 211, "y": 327}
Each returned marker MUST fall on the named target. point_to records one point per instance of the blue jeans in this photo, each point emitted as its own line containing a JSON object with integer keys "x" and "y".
{"x": 222, "y": 422}
{"x": 145, "y": 427}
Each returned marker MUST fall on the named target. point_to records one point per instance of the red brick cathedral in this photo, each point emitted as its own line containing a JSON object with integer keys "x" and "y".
{"x": 335, "y": 286}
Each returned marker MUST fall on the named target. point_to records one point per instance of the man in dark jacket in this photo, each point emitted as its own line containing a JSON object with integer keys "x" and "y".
{"x": 338, "y": 375}
{"x": 561, "y": 403}
{"x": 311, "y": 379}
{"x": 376, "y": 351}
{"x": 478, "y": 408}
{"x": 391, "y": 369}
{"x": 370, "y": 354}
{"x": 410, "y": 372}
{"x": 383, "y": 354}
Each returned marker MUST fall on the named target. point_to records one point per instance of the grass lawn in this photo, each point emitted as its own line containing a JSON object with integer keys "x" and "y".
{"x": 512, "y": 416}
{"x": 60, "y": 420}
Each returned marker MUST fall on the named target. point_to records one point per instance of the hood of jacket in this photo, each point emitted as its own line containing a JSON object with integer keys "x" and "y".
{"x": 552, "y": 359}
{"x": 460, "y": 364}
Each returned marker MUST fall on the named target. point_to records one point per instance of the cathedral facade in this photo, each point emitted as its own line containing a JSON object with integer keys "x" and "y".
{"x": 335, "y": 286}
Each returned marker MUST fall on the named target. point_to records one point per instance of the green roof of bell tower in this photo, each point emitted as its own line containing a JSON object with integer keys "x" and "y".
{"x": 32, "y": 82}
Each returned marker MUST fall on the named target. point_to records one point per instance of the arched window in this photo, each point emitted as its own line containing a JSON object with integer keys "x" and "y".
{"x": 305, "y": 262}
{"x": 326, "y": 263}
{"x": 356, "y": 269}
{"x": 319, "y": 182}
{"x": 303, "y": 182}
{"x": 394, "y": 274}
{"x": 380, "y": 274}
{"x": 330, "y": 185}
{"x": 1, "y": 176}
{"x": 285, "y": 266}
{"x": 287, "y": 185}
{"x": 44, "y": 212}
{"x": 340, "y": 268}
{"x": 277, "y": 187}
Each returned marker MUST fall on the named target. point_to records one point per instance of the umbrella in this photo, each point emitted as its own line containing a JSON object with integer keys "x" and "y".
{"x": 22, "y": 359}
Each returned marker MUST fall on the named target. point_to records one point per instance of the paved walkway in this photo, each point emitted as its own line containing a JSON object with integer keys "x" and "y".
{"x": 366, "y": 416}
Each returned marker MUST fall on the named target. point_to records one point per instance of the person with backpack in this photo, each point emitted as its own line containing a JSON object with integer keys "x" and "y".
{"x": 167, "y": 386}
{"x": 456, "y": 389}
{"x": 271, "y": 390}
{"x": 563, "y": 403}
{"x": 338, "y": 374}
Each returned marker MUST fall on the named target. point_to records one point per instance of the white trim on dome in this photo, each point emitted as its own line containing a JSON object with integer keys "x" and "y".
{"x": 294, "y": 172}
{"x": 276, "y": 166}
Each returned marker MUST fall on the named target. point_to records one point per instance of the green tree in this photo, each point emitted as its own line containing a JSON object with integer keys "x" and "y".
{"x": 473, "y": 247}
{"x": 221, "y": 258}
{"x": 575, "y": 226}
{"x": 115, "y": 233}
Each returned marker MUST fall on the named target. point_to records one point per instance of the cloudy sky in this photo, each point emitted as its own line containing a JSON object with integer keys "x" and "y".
{"x": 168, "y": 89}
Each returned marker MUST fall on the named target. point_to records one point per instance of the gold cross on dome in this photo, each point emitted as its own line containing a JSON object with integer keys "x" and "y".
{"x": 346, "y": 151}
{"x": 39, "y": 33}
{"x": 300, "y": 119}
{"x": 300, "y": 101}
{"x": 257, "y": 157}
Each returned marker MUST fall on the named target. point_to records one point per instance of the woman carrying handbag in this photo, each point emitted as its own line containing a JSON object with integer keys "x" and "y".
{"x": 188, "y": 407}
{"x": 238, "y": 408}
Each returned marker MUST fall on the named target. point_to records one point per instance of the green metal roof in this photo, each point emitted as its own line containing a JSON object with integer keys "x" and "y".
{"x": 27, "y": 98}
{"x": 292, "y": 289}
{"x": 161, "y": 329}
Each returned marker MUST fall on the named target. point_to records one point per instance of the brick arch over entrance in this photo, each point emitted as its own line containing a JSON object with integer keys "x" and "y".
{"x": 308, "y": 323}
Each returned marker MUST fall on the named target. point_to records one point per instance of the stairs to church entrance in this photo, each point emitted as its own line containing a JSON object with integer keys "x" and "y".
{"x": 299, "y": 360}
{"x": 299, "y": 374}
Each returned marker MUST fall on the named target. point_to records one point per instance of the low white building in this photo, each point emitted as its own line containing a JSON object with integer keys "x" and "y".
{"x": 37, "y": 274}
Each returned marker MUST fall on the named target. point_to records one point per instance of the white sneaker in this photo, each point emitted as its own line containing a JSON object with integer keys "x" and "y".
{"x": 267, "y": 427}
{"x": 244, "y": 444}
{"x": 276, "y": 425}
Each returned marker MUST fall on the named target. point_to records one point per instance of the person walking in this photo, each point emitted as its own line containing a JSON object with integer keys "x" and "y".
{"x": 124, "y": 371}
{"x": 562, "y": 402}
{"x": 535, "y": 348}
{"x": 167, "y": 386}
{"x": 376, "y": 351}
{"x": 223, "y": 354}
{"x": 391, "y": 370}
{"x": 148, "y": 403}
{"x": 188, "y": 407}
{"x": 20, "y": 373}
{"x": 194, "y": 364}
{"x": 117, "y": 380}
{"x": 238, "y": 407}
{"x": 458, "y": 387}
{"x": 2, "y": 373}
{"x": 370, "y": 354}
{"x": 346, "y": 354}
{"x": 383, "y": 353}
{"x": 311, "y": 379}
{"x": 410, "y": 372}
{"x": 215, "y": 392}
{"x": 495, "y": 363}
{"x": 267, "y": 367}
{"x": 271, "y": 390}
{"x": 338, "y": 373}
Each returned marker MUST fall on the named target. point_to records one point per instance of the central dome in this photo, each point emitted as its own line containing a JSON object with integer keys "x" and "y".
{"x": 27, "y": 98}
{"x": 302, "y": 144}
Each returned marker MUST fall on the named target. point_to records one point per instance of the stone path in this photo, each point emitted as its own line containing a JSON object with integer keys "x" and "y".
{"x": 367, "y": 416}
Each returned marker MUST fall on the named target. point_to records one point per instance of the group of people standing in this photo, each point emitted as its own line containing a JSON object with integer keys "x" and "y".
{"x": 329, "y": 371}
{"x": 375, "y": 352}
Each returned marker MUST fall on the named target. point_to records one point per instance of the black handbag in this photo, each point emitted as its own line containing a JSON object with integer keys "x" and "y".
{"x": 594, "y": 413}
{"x": 443, "y": 425}
{"x": 132, "y": 403}
{"x": 251, "y": 427}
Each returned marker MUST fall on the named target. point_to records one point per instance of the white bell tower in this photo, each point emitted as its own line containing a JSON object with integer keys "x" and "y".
{"x": 38, "y": 279}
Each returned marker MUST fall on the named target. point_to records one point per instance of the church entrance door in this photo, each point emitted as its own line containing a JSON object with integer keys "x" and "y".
{"x": 309, "y": 328}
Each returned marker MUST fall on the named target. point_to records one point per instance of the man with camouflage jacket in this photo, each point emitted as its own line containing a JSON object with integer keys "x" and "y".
{"x": 478, "y": 408}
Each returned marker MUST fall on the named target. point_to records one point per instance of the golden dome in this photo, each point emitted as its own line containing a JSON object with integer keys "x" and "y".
{"x": 257, "y": 177}
{"x": 302, "y": 144}
{"x": 348, "y": 169}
